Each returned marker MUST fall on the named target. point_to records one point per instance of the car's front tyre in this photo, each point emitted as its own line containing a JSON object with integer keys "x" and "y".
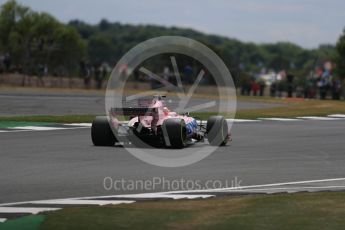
{"x": 217, "y": 130}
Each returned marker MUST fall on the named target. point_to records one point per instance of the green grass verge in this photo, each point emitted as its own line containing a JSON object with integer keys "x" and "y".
{"x": 11, "y": 124}
{"x": 324, "y": 210}
{"x": 290, "y": 108}
{"x": 295, "y": 109}
{"x": 50, "y": 119}
{"x": 24, "y": 223}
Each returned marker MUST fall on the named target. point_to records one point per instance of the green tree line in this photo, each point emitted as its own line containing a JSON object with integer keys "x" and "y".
{"x": 34, "y": 38}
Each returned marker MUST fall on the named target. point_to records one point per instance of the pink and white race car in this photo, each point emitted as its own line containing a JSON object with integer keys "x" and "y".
{"x": 152, "y": 123}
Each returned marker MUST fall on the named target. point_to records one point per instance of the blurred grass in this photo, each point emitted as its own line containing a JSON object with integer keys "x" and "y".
{"x": 287, "y": 108}
{"x": 10, "y": 124}
{"x": 50, "y": 118}
{"x": 324, "y": 210}
{"x": 295, "y": 108}
{"x": 32, "y": 222}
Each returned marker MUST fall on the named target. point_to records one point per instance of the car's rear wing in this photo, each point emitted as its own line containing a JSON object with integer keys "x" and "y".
{"x": 133, "y": 111}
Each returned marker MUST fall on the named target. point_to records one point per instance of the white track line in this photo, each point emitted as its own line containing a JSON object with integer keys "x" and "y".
{"x": 261, "y": 186}
{"x": 236, "y": 120}
{"x": 160, "y": 195}
{"x": 25, "y": 210}
{"x": 126, "y": 196}
{"x": 2, "y": 220}
{"x": 241, "y": 120}
{"x": 290, "y": 188}
{"x": 83, "y": 202}
{"x": 337, "y": 115}
{"x": 14, "y": 131}
{"x": 279, "y": 119}
{"x": 177, "y": 194}
{"x": 38, "y": 128}
{"x": 80, "y": 124}
{"x": 320, "y": 118}
{"x": 332, "y": 117}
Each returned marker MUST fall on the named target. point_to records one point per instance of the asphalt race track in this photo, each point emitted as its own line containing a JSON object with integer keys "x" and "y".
{"x": 38, "y": 165}
{"x": 60, "y": 103}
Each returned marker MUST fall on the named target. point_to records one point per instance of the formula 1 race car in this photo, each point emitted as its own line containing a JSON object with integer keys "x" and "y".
{"x": 152, "y": 123}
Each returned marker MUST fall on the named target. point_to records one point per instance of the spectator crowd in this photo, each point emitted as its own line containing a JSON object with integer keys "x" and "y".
{"x": 320, "y": 83}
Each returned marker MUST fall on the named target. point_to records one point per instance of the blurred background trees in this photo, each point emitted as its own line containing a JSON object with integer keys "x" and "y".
{"x": 34, "y": 39}
{"x": 341, "y": 56}
{"x": 31, "y": 38}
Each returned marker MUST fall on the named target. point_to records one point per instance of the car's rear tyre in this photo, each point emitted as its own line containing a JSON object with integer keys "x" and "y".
{"x": 101, "y": 133}
{"x": 217, "y": 130}
{"x": 175, "y": 133}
